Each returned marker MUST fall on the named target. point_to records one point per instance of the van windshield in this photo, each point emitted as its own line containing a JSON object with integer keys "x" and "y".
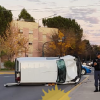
{"x": 61, "y": 71}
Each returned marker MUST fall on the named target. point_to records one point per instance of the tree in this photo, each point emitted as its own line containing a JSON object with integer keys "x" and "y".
{"x": 60, "y": 46}
{"x": 10, "y": 43}
{"x": 5, "y": 19}
{"x": 95, "y": 50}
{"x": 26, "y": 16}
{"x": 87, "y": 51}
{"x": 72, "y": 34}
{"x": 64, "y": 25}
{"x": 44, "y": 22}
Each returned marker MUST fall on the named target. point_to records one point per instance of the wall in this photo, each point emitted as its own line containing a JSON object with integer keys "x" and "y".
{"x": 36, "y": 36}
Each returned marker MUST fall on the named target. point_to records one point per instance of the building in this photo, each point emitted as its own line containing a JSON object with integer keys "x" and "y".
{"x": 36, "y": 35}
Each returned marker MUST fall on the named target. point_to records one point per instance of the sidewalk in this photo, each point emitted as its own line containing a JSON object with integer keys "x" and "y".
{"x": 85, "y": 91}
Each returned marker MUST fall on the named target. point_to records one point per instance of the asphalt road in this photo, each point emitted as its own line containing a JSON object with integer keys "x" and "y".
{"x": 26, "y": 92}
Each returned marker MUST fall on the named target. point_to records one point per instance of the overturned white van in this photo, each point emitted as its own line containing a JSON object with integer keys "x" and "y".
{"x": 47, "y": 70}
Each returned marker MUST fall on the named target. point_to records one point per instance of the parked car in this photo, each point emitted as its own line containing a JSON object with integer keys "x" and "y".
{"x": 88, "y": 63}
{"x": 85, "y": 69}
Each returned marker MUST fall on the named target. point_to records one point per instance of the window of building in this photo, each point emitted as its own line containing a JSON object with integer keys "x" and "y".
{"x": 21, "y": 31}
{"x": 44, "y": 36}
{"x": 30, "y": 32}
{"x": 30, "y": 43}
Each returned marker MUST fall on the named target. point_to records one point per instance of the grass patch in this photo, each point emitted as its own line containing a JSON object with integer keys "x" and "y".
{"x": 4, "y": 69}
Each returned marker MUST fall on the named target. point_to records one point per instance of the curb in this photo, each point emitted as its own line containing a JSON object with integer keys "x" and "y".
{"x": 7, "y": 72}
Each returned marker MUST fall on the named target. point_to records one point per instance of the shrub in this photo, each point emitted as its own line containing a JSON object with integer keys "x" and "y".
{"x": 9, "y": 64}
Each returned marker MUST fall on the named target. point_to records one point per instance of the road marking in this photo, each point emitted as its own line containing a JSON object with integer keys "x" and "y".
{"x": 7, "y": 73}
{"x": 74, "y": 88}
{"x": 79, "y": 83}
{"x": 8, "y": 76}
{"x": 85, "y": 75}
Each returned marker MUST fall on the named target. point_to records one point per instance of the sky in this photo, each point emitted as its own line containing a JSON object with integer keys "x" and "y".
{"x": 85, "y": 12}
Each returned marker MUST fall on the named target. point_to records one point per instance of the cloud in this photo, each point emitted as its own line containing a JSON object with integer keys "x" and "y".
{"x": 90, "y": 25}
{"x": 83, "y": 14}
{"x": 73, "y": 0}
{"x": 34, "y": 0}
{"x": 94, "y": 38}
{"x": 48, "y": 4}
{"x": 83, "y": 11}
{"x": 92, "y": 20}
{"x": 20, "y": 6}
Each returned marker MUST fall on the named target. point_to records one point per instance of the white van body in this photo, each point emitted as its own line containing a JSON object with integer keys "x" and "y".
{"x": 46, "y": 69}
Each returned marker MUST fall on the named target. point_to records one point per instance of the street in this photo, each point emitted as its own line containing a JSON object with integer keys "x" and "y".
{"x": 26, "y": 92}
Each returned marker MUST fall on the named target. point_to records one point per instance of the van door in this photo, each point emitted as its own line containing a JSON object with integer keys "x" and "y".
{"x": 61, "y": 71}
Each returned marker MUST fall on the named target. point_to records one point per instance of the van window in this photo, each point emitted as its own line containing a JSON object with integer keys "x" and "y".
{"x": 61, "y": 71}
{"x": 16, "y": 65}
{"x": 16, "y": 68}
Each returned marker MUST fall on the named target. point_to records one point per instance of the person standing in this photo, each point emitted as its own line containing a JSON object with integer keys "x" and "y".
{"x": 96, "y": 65}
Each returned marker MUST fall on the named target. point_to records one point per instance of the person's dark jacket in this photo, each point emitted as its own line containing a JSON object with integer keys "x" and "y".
{"x": 96, "y": 67}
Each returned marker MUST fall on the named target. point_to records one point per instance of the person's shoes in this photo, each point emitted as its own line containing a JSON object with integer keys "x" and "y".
{"x": 96, "y": 89}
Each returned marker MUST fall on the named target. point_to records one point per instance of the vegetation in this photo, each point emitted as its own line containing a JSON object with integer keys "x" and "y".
{"x": 64, "y": 46}
{"x": 5, "y": 19}
{"x": 9, "y": 65}
{"x": 65, "y": 25}
{"x": 13, "y": 42}
{"x": 72, "y": 35}
{"x": 6, "y": 69}
{"x": 70, "y": 31}
{"x": 26, "y": 16}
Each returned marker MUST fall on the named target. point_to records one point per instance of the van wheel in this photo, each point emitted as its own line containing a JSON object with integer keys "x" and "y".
{"x": 83, "y": 71}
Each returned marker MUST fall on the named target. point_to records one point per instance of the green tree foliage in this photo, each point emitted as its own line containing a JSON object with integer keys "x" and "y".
{"x": 9, "y": 65}
{"x": 44, "y": 22}
{"x": 73, "y": 34}
{"x": 26, "y": 16}
{"x": 64, "y": 25}
{"x": 5, "y": 19}
{"x": 88, "y": 51}
{"x": 95, "y": 49}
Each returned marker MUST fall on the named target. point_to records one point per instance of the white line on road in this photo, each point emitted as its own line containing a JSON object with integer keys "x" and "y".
{"x": 85, "y": 75}
{"x": 8, "y": 76}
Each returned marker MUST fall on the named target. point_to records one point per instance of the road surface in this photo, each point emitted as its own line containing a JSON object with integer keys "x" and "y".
{"x": 26, "y": 92}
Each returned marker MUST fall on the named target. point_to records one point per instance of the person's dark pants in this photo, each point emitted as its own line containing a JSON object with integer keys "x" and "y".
{"x": 97, "y": 78}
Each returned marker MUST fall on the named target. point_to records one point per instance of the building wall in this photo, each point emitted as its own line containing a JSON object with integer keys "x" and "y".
{"x": 36, "y": 36}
